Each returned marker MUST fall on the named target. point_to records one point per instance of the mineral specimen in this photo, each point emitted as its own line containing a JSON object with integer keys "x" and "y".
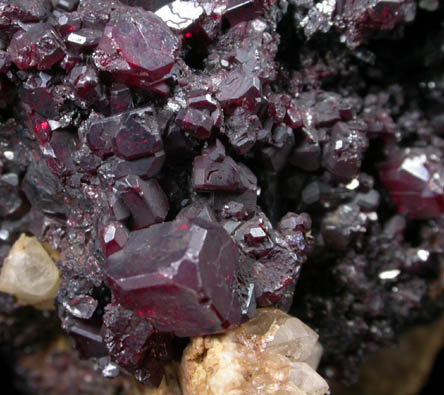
{"x": 185, "y": 162}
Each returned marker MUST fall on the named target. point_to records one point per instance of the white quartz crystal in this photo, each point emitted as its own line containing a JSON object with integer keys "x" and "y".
{"x": 273, "y": 353}
{"x": 29, "y": 273}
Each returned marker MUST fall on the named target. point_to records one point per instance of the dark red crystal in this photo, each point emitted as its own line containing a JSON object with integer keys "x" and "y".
{"x": 134, "y": 345}
{"x": 145, "y": 201}
{"x": 113, "y": 237}
{"x": 239, "y": 88}
{"x": 182, "y": 278}
{"x": 343, "y": 153}
{"x": 136, "y": 140}
{"x": 139, "y": 48}
{"x": 40, "y": 46}
{"x": 414, "y": 178}
{"x": 196, "y": 122}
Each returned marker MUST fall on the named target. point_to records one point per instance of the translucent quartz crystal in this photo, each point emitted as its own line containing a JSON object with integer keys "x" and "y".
{"x": 29, "y": 273}
{"x": 273, "y": 353}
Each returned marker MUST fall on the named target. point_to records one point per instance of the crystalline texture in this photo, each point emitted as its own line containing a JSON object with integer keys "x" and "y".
{"x": 414, "y": 178}
{"x": 277, "y": 264}
{"x": 145, "y": 201}
{"x": 343, "y": 153}
{"x": 239, "y": 88}
{"x": 196, "y": 122}
{"x": 180, "y": 15}
{"x": 181, "y": 277}
{"x": 134, "y": 344}
{"x": 136, "y": 140}
{"x": 211, "y": 175}
{"x": 273, "y": 350}
{"x": 139, "y": 45}
{"x": 23, "y": 11}
{"x": 113, "y": 237}
{"x": 40, "y": 46}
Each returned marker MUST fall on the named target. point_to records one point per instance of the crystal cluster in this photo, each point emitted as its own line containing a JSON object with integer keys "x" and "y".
{"x": 273, "y": 350}
{"x": 191, "y": 161}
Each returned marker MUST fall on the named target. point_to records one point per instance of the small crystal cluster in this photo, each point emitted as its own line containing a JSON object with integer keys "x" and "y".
{"x": 186, "y": 158}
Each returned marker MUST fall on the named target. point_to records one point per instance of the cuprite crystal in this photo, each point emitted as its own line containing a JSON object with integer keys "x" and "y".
{"x": 180, "y": 15}
{"x": 214, "y": 171}
{"x": 134, "y": 344}
{"x": 343, "y": 153}
{"x": 282, "y": 141}
{"x": 340, "y": 227}
{"x": 100, "y": 135}
{"x": 40, "y": 46}
{"x": 239, "y": 88}
{"x": 144, "y": 167}
{"x": 43, "y": 189}
{"x": 414, "y": 178}
{"x": 130, "y": 135}
{"x": 277, "y": 264}
{"x": 139, "y": 47}
{"x": 196, "y": 122}
{"x": 181, "y": 277}
{"x": 113, "y": 237}
{"x": 15, "y": 11}
{"x": 120, "y": 98}
{"x": 81, "y": 306}
{"x": 88, "y": 340}
{"x": 136, "y": 140}
{"x": 85, "y": 81}
{"x": 145, "y": 201}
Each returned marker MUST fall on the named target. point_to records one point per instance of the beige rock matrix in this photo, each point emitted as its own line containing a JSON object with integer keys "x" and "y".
{"x": 29, "y": 273}
{"x": 273, "y": 353}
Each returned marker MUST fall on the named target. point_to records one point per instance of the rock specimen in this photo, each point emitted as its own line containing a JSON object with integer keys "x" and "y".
{"x": 272, "y": 353}
{"x": 29, "y": 273}
{"x": 194, "y": 160}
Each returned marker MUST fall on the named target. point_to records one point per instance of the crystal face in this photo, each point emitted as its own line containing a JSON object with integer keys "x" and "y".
{"x": 39, "y": 47}
{"x": 182, "y": 279}
{"x": 343, "y": 153}
{"x": 276, "y": 264}
{"x": 239, "y": 88}
{"x": 195, "y": 122}
{"x": 415, "y": 181}
{"x": 23, "y": 11}
{"x": 139, "y": 48}
{"x": 145, "y": 201}
{"x": 135, "y": 141}
{"x": 134, "y": 344}
{"x": 180, "y": 15}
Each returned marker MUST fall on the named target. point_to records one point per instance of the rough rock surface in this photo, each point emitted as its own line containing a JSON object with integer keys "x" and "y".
{"x": 271, "y": 354}
{"x": 29, "y": 273}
